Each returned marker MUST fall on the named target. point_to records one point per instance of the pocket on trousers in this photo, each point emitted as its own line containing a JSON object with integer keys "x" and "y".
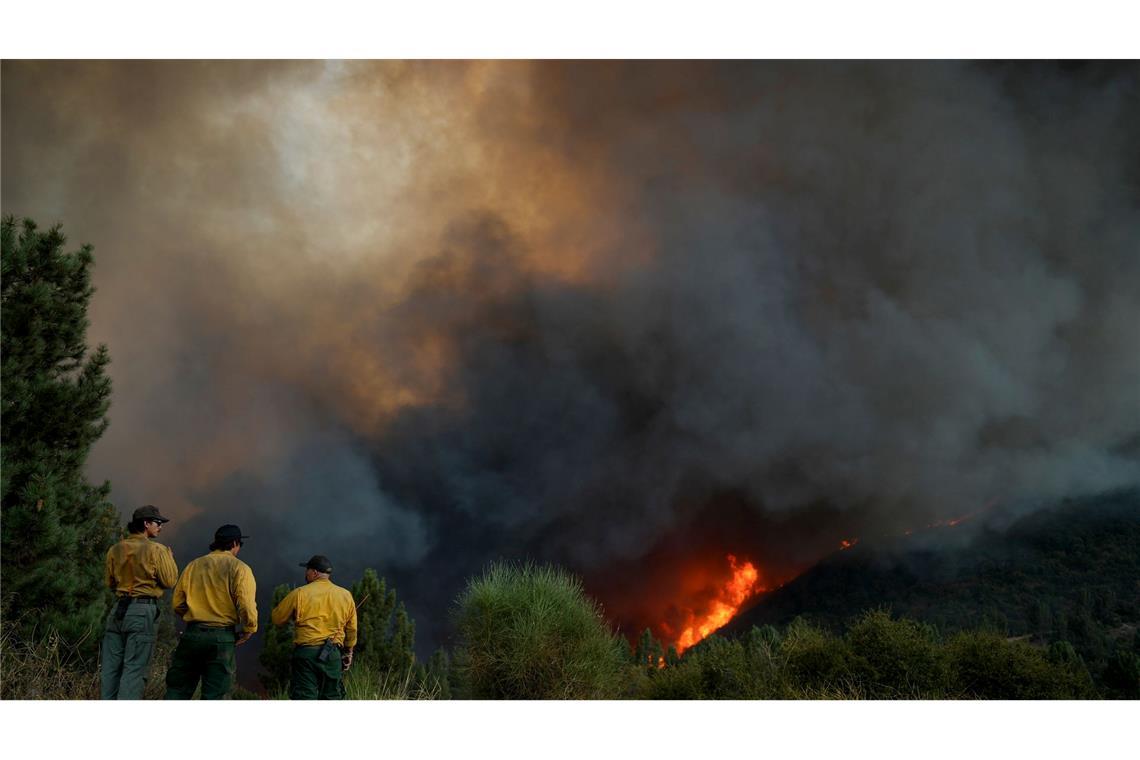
{"x": 138, "y": 622}
{"x": 139, "y": 646}
{"x": 225, "y": 656}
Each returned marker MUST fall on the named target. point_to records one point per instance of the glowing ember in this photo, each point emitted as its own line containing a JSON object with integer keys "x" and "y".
{"x": 744, "y": 583}
{"x": 955, "y": 521}
{"x": 847, "y": 543}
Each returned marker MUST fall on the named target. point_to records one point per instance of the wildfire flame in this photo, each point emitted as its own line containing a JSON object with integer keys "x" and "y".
{"x": 743, "y": 584}
{"x": 847, "y": 543}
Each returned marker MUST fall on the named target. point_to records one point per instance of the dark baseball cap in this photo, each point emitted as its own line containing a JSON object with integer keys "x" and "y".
{"x": 318, "y": 562}
{"x": 228, "y": 533}
{"x": 149, "y": 512}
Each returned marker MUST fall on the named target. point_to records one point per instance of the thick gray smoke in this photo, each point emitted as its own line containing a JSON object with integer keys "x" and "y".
{"x": 417, "y": 316}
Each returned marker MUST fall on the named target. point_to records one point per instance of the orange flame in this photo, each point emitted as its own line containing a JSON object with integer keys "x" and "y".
{"x": 743, "y": 584}
{"x": 847, "y": 543}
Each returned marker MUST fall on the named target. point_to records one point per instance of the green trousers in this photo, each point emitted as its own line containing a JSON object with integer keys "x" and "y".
{"x": 310, "y": 679}
{"x": 206, "y": 655}
{"x": 128, "y": 646}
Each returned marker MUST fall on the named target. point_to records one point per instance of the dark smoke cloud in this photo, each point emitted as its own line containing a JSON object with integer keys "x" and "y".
{"x": 418, "y": 316}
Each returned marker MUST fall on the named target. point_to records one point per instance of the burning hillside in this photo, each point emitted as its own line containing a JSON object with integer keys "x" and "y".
{"x": 724, "y": 604}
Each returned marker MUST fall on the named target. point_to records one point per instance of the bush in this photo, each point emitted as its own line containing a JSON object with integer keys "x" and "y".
{"x": 719, "y": 668}
{"x": 681, "y": 681}
{"x": 530, "y": 632}
{"x": 983, "y": 665}
{"x": 813, "y": 660}
{"x": 896, "y": 658}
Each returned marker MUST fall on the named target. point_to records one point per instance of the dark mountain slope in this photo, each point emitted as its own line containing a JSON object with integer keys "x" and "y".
{"x": 1071, "y": 571}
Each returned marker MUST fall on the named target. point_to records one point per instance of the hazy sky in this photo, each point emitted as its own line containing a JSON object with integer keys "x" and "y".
{"x": 417, "y": 316}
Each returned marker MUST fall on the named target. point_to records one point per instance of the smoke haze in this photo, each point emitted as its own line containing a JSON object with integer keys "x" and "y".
{"x": 417, "y": 316}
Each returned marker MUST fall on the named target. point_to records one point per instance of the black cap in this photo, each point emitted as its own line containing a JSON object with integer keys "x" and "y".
{"x": 228, "y": 533}
{"x": 149, "y": 512}
{"x": 318, "y": 562}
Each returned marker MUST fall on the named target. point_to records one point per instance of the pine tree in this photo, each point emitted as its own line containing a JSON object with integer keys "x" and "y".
{"x": 648, "y": 652}
{"x": 277, "y": 654}
{"x": 375, "y": 604}
{"x": 385, "y": 633}
{"x": 55, "y": 527}
{"x": 402, "y": 647}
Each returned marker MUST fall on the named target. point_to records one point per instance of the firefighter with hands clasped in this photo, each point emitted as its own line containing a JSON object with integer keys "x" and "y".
{"x": 214, "y": 595}
{"x": 137, "y": 569}
{"x": 324, "y": 618}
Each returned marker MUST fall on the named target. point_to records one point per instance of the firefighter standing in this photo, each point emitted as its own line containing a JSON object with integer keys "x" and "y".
{"x": 324, "y": 617}
{"x": 214, "y": 595}
{"x": 137, "y": 570}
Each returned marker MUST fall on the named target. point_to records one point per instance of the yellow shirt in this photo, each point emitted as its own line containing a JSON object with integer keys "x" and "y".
{"x": 217, "y": 589}
{"x": 319, "y": 610}
{"x": 137, "y": 566}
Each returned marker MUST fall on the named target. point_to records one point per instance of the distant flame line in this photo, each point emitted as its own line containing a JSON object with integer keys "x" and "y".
{"x": 847, "y": 543}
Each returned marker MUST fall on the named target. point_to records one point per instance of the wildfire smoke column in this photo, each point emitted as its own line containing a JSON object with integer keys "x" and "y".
{"x": 434, "y": 314}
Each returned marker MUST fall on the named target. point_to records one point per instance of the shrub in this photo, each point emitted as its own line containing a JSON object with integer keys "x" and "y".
{"x": 984, "y": 665}
{"x": 725, "y": 672}
{"x": 529, "y": 632}
{"x": 813, "y": 660}
{"x": 896, "y": 658}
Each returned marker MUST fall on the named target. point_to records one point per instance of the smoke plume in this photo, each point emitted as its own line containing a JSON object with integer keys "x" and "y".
{"x": 417, "y": 316}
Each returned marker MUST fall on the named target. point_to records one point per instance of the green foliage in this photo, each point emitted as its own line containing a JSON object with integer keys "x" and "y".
{"x": 1062, "y": 653}
{"x": 386, "y": 636}
{"x": 1065, "y": 573}
{"x": 984, "y": 665}
{"x": 365, "y": 682}
{"x": 727, "y": 672}
{"x": 878, "y": 658}
{"x": 401, "y": 647}
{"x": 763, "y": 637}
{"x": 277, "y": 652}
{"x": 374, "y": 607}
{"x": 896, "y": 657}
{"x": 648, "y": 652}
{"x": 55, "y": 527}
{"x": 530, "y": 632}
{"x": 435, "y": 678}
{"x": 815, "y": 659}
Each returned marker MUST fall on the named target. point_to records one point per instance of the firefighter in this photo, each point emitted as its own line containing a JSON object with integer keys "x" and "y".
{"x": 214, "y": 596}
{"x": 137, "y": 569}
{"x": 324, "y": 617}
